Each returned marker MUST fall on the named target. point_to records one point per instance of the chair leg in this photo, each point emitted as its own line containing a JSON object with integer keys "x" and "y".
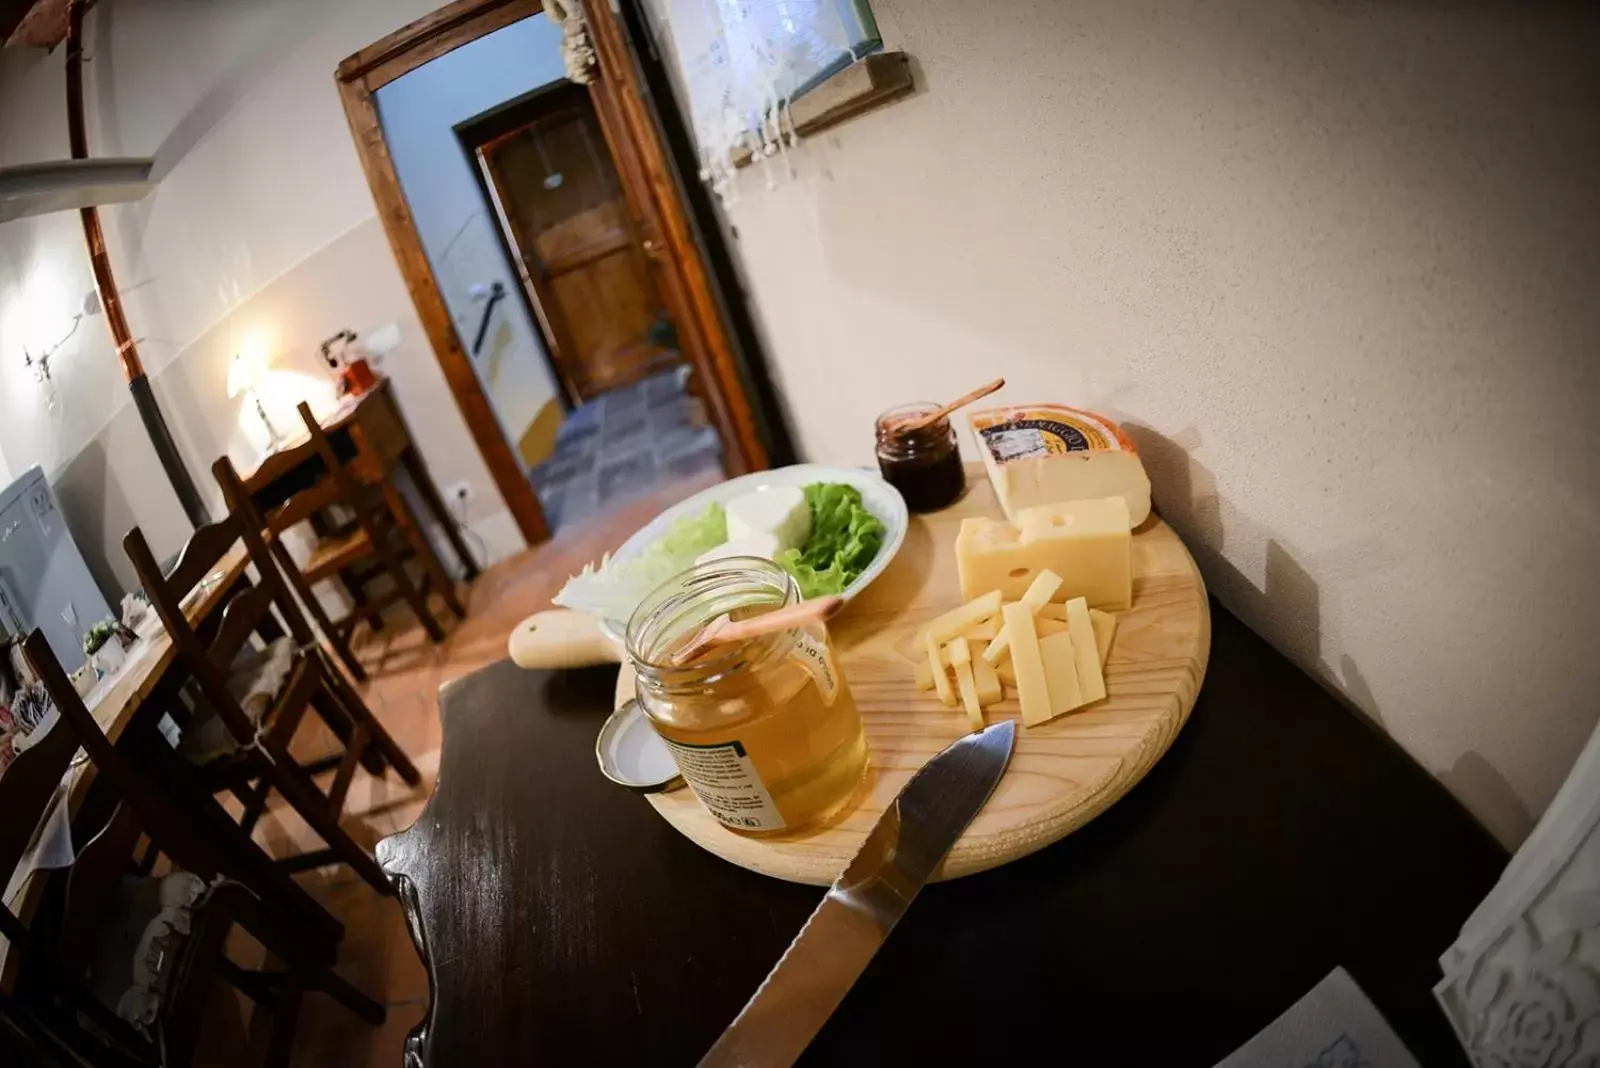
{"x": 337, "y": 637}
{"x": 380, "y": 738}
{"x": 334, "y": 712}
{"x": 430, "y": 561}
{"x": 284, "y": 1019}
{"x": 340, "y": 990}
{"x": 307, "y": 800}
{"x": 397, "y": 569}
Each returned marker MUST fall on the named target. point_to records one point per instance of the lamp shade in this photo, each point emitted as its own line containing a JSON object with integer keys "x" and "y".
{"x": 244, "y": 374}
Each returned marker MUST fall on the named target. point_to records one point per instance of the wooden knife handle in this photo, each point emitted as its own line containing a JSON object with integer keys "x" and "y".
{"x": 561, "y": 638}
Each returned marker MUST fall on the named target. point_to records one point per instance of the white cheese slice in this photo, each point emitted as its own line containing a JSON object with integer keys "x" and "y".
{"x": 1105, "y": 628}
{"x": 765, "y": 546}
{"x": 1060, "y": 662}
{"x": 1047, "y": 453}
{"x": 781, "y": 511}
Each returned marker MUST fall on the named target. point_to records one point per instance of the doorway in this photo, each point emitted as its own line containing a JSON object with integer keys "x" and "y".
{"x": 544, "y": 165}
{"x": 594, "y": 248}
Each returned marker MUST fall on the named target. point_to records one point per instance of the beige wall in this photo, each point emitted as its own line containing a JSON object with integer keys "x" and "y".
{"x": 1336, "y": 262}
{"x": 261, "y": 232}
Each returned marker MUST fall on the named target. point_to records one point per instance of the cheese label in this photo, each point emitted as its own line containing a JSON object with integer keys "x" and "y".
{"x": 1047, "y": 429}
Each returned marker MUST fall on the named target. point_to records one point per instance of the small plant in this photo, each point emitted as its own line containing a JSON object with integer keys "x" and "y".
{"x": 97, "y": 637}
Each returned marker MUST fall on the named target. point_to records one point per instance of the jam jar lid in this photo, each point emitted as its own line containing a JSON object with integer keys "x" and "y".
{"x": 632, "y": 754}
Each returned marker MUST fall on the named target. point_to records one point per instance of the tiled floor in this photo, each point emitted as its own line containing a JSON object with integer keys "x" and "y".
{"x": 622, "y": 445}
{"x": 407, "y": 671}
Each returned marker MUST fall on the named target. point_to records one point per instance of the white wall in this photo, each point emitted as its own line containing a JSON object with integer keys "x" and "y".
{"x": 1337, "y": 260}
{"x": 459, "y": 233}
{"x": 258, "y": 174}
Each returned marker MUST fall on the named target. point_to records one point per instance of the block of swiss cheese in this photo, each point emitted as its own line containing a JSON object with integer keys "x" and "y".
{"x": 1049, "y": 453}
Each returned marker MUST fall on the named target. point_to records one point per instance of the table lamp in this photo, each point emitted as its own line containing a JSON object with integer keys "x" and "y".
{"x": 245, "y": 375}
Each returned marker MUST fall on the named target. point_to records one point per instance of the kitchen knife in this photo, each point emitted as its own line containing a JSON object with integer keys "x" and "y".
{"x": 861, "y": 908}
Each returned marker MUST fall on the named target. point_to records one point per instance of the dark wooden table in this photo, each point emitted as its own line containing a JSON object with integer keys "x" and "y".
{"x": 564, "y": 922}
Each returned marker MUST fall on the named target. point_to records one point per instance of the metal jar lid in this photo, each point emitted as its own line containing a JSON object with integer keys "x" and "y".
{"x": 632, "y": 754}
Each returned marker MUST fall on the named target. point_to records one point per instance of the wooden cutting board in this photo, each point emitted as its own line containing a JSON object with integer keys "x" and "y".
{"x": 1062, "y": 774}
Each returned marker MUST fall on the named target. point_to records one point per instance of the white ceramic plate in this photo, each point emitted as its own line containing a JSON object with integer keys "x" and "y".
{"x": 881, "y": 499}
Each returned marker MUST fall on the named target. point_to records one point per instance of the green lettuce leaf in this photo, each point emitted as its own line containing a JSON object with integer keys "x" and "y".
{"x": 845, "y": 538}
{"x": 614, "y": 590}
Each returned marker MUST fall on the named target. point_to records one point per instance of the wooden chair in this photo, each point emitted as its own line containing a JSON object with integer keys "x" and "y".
{"x": 261, "y": 760}
{"x": 380, "y": 540}
{"x": 55, "y": 1006}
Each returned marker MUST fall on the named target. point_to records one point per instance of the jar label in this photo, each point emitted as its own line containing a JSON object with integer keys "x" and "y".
{"x": 814, "y": 656}
{"x": 725, "y": 781}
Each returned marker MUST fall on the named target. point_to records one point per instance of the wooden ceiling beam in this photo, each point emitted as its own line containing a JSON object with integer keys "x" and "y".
{"x": 33, "y": 23}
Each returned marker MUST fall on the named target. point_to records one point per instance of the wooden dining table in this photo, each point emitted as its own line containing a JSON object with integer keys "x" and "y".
{"x": 562, "y": 920}
{"x": 122, "y": 700}
{"x": 370, "y": 430}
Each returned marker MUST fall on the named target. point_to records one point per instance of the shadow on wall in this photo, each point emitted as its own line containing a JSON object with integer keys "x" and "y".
{"x": 98, "y": 514}
{"x": 1289, "y": 605}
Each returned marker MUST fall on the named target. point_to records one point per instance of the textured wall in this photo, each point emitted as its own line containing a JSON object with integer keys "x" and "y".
{"x": 247, "y": 239}
{"x": 1336, "y": 262}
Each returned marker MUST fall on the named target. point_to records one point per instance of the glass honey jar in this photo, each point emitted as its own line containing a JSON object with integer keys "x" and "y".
{"x": 765, "y": 731}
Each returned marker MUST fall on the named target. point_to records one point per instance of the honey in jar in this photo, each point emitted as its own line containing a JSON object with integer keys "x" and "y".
{"x": 765, "y": 731}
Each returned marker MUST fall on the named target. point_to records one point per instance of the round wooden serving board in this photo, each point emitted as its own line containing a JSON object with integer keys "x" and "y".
{"x": 1062, "y": 774}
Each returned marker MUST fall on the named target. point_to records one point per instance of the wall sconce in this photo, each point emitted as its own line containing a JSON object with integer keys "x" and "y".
{"x": 40, "y": 366}
{"x": 245, "y": 375}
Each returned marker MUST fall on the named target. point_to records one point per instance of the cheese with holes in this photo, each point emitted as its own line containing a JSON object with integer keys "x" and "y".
{"x": 1091, "y": 684}
{"x": 1047, "y": 453}
{"x": 1086, "y": 543}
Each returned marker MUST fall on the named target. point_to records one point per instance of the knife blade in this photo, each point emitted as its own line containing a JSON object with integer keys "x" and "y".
{"x": 863, "y": 905}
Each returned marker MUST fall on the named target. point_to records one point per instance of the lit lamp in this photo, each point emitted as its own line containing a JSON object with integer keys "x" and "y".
{"x": 245, "y": 375}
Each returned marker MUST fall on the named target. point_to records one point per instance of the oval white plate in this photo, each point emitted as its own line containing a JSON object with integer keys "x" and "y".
{"x": 881, "y": 499}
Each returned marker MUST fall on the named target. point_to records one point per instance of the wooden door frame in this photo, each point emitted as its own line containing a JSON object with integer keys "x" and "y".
{"x": 642, "y": 159}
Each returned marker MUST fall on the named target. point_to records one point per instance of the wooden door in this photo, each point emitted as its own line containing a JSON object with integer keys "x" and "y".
{"x": 585, "y": 264}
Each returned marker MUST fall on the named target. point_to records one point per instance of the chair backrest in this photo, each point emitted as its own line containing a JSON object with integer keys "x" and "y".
{"x": 300, "y": 507}
{"x": 342, "y": 473}
{"x": 55, "y": 952}
{"x": 26, "y": 789}
{"x": 209, "y": 557}
{"x": 199, "y": 838}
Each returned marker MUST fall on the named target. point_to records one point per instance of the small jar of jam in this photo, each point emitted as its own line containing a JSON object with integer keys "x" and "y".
{"x": 925, "y": 464}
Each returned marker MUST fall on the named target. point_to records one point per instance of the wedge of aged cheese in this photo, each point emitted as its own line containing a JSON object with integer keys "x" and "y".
{"x": 936, "y": 672}
{"x": 1086, "y": 543}
{"x": 1045, "y": 453}
{"x": 1060, "y": 660}
{"x": 1033, "y": 693}
{"x": 1091, "y": 684}
{"x": 987, "y": 681}
{"x": 1105, "y": 628}
{"x": 977, "y": 609}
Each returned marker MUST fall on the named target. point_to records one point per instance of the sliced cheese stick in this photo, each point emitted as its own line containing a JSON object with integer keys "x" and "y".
{"x": 1090, "y": 682}
{"x": 942, "y": 628}
{"x": 1105, "y": 628}
{"x": 1040, "y": 590}
{"x": 941, "y": 681}
{"x": 987, "y": 682}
